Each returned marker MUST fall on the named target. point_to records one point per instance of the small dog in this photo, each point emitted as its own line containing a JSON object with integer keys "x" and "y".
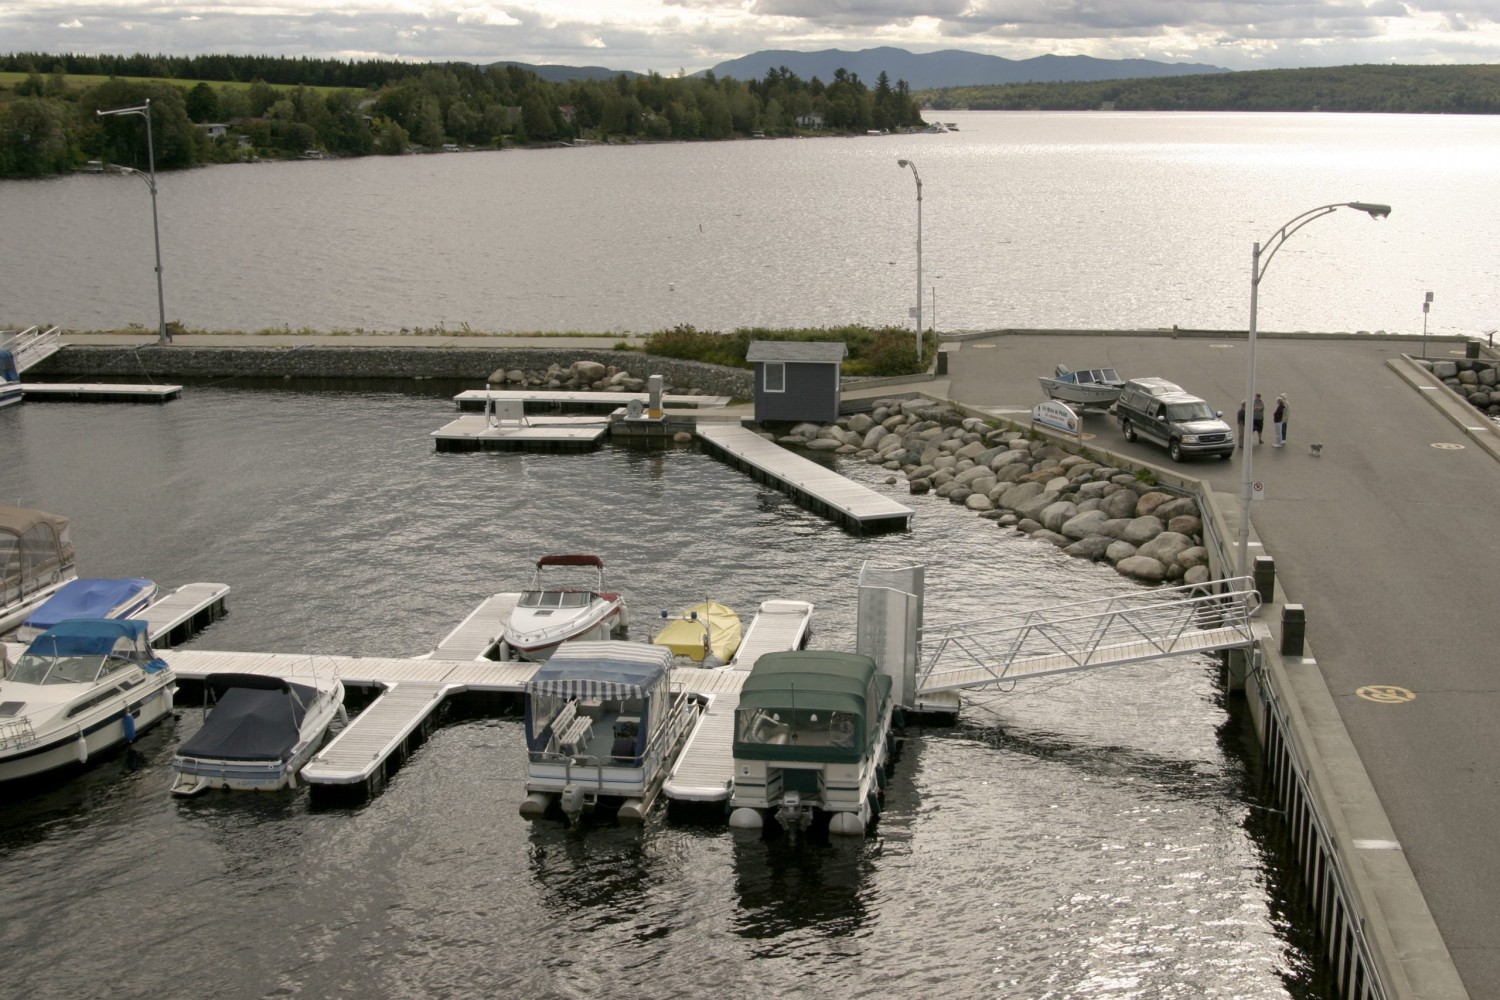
{"x": 1315, "y": 449}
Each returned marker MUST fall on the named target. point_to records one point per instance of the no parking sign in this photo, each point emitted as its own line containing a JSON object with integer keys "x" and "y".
{"x": 1257, "y": 490}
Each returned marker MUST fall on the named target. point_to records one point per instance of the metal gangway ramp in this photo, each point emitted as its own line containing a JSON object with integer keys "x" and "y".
{"x": 1104, "y": 632}
{"x": 31, "y": 346}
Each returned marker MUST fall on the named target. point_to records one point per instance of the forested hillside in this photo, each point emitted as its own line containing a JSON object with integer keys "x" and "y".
{"x": 1472, "y": 90}
{"x": 48, "y": 123}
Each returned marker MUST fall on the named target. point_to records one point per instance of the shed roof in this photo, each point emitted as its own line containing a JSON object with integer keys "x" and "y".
{"x": 817, "y": 351}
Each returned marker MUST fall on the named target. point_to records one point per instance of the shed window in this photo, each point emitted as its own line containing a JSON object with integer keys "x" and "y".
{"x": 775, "y": 378}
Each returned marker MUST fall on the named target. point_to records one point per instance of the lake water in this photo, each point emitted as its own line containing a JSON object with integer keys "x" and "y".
{"x": 1097, "y": 835}
{"x": 1031, "y": 220}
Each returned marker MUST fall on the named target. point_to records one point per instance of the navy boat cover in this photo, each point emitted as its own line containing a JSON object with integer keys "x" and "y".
{"x": 250, "y": 717}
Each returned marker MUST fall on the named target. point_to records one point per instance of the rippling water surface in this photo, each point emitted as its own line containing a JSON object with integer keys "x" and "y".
{"x": 1092, "y": 836}
{"x": 1040, "y": 220}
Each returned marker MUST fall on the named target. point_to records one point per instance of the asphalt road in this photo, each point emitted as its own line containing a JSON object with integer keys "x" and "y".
{"x": 1385, "y": 540}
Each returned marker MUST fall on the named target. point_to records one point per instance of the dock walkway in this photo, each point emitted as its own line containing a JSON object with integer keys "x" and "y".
{"x": 819, "y": 489}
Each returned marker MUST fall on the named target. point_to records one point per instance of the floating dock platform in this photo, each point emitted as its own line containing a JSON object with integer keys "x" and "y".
{"x": 819, "y": 489}
{"x": 480, "y": 432}
{"x": 98, "y": 392}
{"x": 543, "y": 401}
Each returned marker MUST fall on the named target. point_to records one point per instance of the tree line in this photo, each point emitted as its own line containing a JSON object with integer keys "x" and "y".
{"x": 1470, "y": 90}
{"x": 48, "y": 125}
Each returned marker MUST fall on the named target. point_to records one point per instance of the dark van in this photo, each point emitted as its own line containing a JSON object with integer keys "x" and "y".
{"x": 1161, "y": 411}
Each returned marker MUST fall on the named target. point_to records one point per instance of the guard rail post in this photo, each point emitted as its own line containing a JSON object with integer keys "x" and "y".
{"x": 1265, "y": 578}
{"x": 1293, "y": 629}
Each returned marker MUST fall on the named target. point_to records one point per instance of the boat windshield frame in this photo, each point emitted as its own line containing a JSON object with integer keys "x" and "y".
{"x": 46, "y": 668}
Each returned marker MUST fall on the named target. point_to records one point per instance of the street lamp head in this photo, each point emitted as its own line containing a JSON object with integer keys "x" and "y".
{"x": 903, "y": 163}
{"x": 1373, "y": 210}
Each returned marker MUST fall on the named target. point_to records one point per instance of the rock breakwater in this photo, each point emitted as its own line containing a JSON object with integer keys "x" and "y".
{"x": 1476, "y": 381}
{"x": 1085, "y": 507}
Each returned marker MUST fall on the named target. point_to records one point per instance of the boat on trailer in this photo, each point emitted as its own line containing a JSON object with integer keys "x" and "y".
{"x": 82, "y": 687}
{"x": 707, "y": 633}
{"x": 812, "y": 736}
{"x": 561, "y": 605}
{"x": 257, "y": 733}
{"x": 123, "y": 597}
{"x": 1098, "y": 387}
{"x": 603, "y": 728}
{"x": 36, "y": 560}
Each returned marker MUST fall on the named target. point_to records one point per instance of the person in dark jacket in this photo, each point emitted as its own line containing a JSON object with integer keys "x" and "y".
{"x": 1278, "y": 417}
{"x": 1260, "y": 418}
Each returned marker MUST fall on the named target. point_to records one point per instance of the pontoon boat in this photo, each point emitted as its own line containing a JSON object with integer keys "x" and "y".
{"x": 36, "y": 559}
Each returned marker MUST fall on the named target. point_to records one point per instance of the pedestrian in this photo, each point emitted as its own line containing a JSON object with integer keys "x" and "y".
{"x": 1239, "y": 418}
{"x": 1278, "y": 417}
{"x": 1259, "y": 424}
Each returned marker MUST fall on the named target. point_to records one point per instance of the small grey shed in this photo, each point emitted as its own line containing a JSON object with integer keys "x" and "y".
{"x": 796, "y": 380}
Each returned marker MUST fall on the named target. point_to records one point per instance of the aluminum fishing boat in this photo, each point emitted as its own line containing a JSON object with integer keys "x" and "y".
{"x": 257, "y": 732}
{"x": 603, "y": 728}
{"x": 812, "y": 735}
{"x": 83, "y": 686}
{"x": 124, "y": 597}
{"x": 36, "y": 559}
{"x": 1098, "y": 387}
{"x": 565, "y": 600}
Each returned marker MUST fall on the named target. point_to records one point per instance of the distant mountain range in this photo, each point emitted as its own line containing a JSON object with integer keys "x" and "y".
{"x": 921, "y": 71}
{"x": 951, "y": 67}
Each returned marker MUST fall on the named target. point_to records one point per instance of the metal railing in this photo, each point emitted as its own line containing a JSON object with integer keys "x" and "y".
{"x": 1088, "y": 635}
{"x": 32, "y": 345}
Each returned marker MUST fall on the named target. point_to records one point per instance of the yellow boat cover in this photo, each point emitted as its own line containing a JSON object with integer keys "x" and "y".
{"x": 685, "y": 634}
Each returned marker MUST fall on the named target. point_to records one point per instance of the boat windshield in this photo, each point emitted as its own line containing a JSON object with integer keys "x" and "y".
{"x": 1190, "y": 411}
{"x": 36, "y": 668}
{"x": 809, "y": 729}
{"x": 554, "y": 599}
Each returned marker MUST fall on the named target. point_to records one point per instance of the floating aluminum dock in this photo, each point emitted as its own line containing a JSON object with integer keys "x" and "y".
{"x": 98, "y": 392}
{"x": 182, "y": 614}
{"x": 821, "y": 490}
{"x": 779, "y": 625}
{"x": 544, "y": 401}
{"x": 479, "y": 432}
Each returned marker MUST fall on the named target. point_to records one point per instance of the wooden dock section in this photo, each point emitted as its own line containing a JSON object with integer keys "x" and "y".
{"x": 819, "y": 489}
{"x": 477, "y": 432}
{"x": 704, "y": 771}
{"x": 479, "y": 634}
{"x": 184, "y": 613}
{"x": 383, "y": 732}
{"x": 98, "y": 392}
{"x": 543, "y": 401}
{"x": 778, "y": 625}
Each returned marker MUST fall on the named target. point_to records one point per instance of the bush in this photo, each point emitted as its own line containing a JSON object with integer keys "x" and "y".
{"x": 872, "y": 351}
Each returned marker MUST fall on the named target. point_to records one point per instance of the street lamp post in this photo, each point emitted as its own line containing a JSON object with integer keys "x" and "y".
{"x": 1426, "y": 305}
{"x": 144, "y": 110}
{"x": 1260, "y": 259}
{"x": 904, "y": 164}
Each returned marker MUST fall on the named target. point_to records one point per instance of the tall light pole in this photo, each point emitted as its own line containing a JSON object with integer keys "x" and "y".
{"x": 1260, "y": 259}
{"x": 144, "y": 110}
{"x": 903, "y": 164}
{"x": 1426, "y": 305}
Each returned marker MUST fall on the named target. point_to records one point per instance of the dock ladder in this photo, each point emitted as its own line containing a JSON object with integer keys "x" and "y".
{"x": 1104, "y": 632}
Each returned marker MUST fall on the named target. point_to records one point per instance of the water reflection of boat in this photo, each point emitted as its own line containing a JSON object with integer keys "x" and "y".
{"x": 125, "y": 597}
{"x": 257, "y": 732}
{"x": 553, "y": 609}
{"x": 706, "y": 633}
{"x": 812, "y": 734}
{"x": 36, "y": 560}
{"x": 82, "y": 687}
{"x": 603, "y": 727}
{"x": 1086, "y": 387}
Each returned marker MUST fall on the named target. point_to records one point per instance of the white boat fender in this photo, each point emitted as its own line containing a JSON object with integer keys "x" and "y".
{"x": 83, "y": 748}
{"x": 745, "y": 818}
{"x": 129, "y": 721}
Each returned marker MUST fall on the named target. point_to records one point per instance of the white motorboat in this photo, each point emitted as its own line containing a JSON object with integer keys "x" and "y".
{"x": 36, "y": 559}
{"x": 83, "y": 686}
{"x": 812, "y": 735}
{"x": 1098, "y": 387}
{"x": 603, "y": 727}
{"x": 124, "y": 597}
{"x": 565, "y": 600}
{"x": 257, "y": 732}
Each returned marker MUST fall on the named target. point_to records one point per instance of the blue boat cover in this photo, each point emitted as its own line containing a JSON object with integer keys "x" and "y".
{"x": 602, "y": 669}
{"x": 90, "y": 598}
{"x": 8, "y": 371}
{"x": 99, "y": 637}
{"x": 251, "y": 718}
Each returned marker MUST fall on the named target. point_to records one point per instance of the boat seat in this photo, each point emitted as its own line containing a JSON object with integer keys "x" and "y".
{"x": 576, "y": 735}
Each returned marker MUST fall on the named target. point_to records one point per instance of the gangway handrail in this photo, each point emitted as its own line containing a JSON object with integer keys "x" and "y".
{"x": 1089, "y": 634}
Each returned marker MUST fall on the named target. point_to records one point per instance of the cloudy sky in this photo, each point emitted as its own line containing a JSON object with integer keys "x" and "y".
{"x": 672, "y": 35}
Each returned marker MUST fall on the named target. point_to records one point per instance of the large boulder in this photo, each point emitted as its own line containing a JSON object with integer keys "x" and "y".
{"x": 1142, "y": 568}
{"x": 1119, "y": 504}
{"x": 1165, "y": 547}
{"x": 587, "y": 371}
{"x": 1094, "y": 547}
{"x": 1173, "y": 508}
{"x": 1055, "y": 515}
{"x": 1149, "y": 501}
{"x": 1118, "y": 551}
{"x": 1141, "y": 530}
{"x": 1033, "y": 508}
{"x": 1084, "y": 524}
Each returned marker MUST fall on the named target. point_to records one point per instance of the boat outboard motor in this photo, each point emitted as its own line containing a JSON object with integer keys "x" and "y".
{"x": 572, "y": 803}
